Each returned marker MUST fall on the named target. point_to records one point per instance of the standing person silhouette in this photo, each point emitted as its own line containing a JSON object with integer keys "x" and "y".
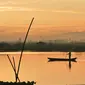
{"x": 69, "y": 55}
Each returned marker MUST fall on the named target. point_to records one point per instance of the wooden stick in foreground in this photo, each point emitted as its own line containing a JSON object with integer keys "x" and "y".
{"x": 16, "y": 76}
{"x": 14, "y": 68}
{"x": 24, "y": 45}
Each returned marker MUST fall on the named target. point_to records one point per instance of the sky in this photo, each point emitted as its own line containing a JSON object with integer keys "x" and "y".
{"x": 52, "y": 18}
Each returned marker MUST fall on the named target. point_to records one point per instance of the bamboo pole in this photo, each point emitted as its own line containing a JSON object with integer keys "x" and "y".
{"x": 16, "y": 76}
{"x": 14, "y": 68}
{"x": 14, "y": 64}
{"x": 24, "y": 45}
{"x": 10, "y": 62}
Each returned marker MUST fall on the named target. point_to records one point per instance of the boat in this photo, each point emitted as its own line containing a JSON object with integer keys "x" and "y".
{"x": 62, "y": 59}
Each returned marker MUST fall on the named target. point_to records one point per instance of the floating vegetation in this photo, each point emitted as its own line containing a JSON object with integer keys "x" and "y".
{"x": 18, "y": 83}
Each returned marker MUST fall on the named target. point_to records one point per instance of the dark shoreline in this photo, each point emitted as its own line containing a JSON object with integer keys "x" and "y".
{"x": 42, "y": 51}
{"x": 43, "y": 47}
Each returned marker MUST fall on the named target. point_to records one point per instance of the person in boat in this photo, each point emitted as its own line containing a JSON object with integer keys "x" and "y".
{"x": 69, "y": 54}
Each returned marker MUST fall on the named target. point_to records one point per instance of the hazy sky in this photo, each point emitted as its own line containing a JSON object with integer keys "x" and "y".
{"x": 52, "y": 17}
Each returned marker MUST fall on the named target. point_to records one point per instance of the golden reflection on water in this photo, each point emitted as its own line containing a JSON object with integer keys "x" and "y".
{"x": 35, "y": 66}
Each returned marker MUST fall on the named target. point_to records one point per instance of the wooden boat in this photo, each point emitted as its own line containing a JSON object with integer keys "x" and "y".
{"x": 62, "y": 59}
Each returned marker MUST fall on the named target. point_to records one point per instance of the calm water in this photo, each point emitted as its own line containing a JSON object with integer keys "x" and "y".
{"x": 35, "y": 66}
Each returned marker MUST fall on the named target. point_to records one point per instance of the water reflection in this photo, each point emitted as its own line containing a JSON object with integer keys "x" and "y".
{"x": 69, "y": 59}
{"x": 34, "y": 66}
{"x": 69, "y": 63}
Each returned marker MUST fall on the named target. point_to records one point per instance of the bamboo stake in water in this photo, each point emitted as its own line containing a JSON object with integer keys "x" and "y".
{"x": 14, "y": 68}
{"x": 14, "y": 64}
{"x": 16, "y": 76}
{"x": 24, "y": 45}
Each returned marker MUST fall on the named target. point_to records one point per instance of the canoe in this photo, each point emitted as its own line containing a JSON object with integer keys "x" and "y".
{"x": 62, "y": 59}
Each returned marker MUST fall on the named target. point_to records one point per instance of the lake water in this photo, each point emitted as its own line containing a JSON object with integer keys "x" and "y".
{"x": 35, "y": 66}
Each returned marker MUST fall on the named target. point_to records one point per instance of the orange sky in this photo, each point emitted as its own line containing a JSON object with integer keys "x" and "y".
{"x": 51, "y": 16}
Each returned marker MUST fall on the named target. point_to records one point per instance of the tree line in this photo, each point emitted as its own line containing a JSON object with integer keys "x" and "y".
{"x": 43, "y": 46}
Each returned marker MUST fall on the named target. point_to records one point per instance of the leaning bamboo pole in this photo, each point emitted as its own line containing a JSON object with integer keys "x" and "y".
{"x": 13, "y": 64}
{"x": 16, "y": 76}
{"x": 24, "y": 46}
{"x": 14, "y": 68}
